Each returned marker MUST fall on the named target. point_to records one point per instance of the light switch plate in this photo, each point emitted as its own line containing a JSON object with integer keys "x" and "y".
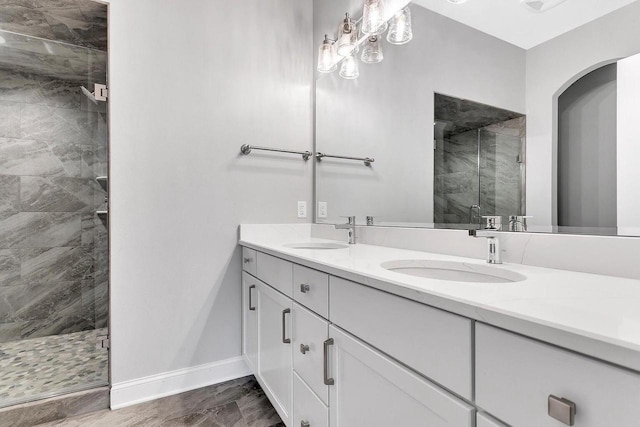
{"x": 302, "y": 209}
{"x": 322, "y": 209}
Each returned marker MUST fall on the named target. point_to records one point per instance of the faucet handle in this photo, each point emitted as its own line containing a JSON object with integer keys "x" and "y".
{"x": 350, "y": 219}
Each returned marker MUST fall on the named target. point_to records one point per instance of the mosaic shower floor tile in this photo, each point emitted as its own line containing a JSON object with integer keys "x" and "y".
{"x": 43, "y": 367}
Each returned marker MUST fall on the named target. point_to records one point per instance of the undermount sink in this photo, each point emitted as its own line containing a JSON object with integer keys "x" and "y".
{"x": 453, "y": 271}
{"x": 317, "y": 245}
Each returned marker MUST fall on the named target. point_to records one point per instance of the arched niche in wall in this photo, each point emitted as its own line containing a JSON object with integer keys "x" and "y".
{"x": 586, "y": 151}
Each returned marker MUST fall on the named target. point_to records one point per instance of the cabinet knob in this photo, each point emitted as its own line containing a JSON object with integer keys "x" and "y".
{"x": 304, "y": 348}
{"x": 562, "y": 410}
{"x": 305, "y": 424}
{"x": 247, "y": 260}
{"x": 304, "y": 288}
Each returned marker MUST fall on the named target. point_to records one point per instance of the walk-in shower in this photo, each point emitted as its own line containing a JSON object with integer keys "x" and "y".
{"x": 479, "y": 164}
{"x": 53, "y": 245}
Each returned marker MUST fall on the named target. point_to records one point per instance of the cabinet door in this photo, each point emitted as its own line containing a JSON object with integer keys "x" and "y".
{"x": 310, "y": 331}
{"x": 275, "y": 366}
{"x": 250, "y": 321}
{"x": 371, "y": 390}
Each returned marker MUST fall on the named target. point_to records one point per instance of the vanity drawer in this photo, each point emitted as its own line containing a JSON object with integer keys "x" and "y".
{"x": 249, "y": 261}
{"x": 276, "y": 273}
{"x": 311, "y": 289}
{"x": 515, "y": 377}
{"x": 431, "y": 341}
{"x": 310, "y": 331}
{"x": 308, "y": 410}
{"x": 483, "y": 420}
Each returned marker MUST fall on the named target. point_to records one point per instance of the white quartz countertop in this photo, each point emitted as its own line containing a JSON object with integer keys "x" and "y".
{"x": 591, "y": 314}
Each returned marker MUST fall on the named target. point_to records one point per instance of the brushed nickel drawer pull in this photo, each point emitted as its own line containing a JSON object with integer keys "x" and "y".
{"x": 304, "y": 288}
{"x": 327, "y": 380}
{"x": 562, "y": 410}
{"x": 305, "y": 424}
{"x": 247, "y": 260}
{"x": 304, "y": 348}
{"x": 285, "y": 340}
{"x": 251, "y": 306}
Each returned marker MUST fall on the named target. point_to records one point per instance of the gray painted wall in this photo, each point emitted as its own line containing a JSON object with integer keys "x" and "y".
{"x": 390, "y": 110}
{"x": 587, "y": 136}
{"x": 189, "y": 84}
{"x": 551, "y": 68}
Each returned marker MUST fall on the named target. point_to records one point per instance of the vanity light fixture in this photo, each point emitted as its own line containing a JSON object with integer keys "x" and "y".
{"x": 327, "y": 56}
{"x": 372, "y": 51}
{"x": 347, "y": 37}
{"x": 400, "y": 31}
{"x": 349, "y": 68}
{"x": 373, "y": 21}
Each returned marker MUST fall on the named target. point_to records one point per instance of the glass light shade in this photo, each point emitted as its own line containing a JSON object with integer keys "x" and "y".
{"x": 372, "y": 51}
{"x": 327, "y": 57}
{"x": 347, "y": 37}
{"x": 349, "y": 69}
{"x": 373, "y": 17}
{"x": 400, "y": 31}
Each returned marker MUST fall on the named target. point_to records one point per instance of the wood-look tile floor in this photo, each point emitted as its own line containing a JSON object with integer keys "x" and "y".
{"x": 237, "y": 403}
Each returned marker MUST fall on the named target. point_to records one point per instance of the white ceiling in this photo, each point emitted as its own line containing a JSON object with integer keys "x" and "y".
{"x": 515, "y": 23}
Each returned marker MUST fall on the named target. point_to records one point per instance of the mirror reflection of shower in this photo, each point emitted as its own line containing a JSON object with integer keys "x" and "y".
{"x": 479, "y": 168}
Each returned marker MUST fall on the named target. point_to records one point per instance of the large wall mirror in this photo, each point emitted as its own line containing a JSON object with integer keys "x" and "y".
{"x": 523, "y": 114}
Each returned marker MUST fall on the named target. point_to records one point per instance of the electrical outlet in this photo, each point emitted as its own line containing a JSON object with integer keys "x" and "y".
{"x": 322, "y": 209}
{"x": 302, "y": 209}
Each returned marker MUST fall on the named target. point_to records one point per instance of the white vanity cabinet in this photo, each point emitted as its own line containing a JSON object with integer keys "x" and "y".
{"x": 371, "y": 390}
{"x": 275, "y": 363}
{"x": 516, "y": 378}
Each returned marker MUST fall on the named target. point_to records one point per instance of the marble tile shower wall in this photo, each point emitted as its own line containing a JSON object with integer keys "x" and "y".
{"x": 53, "y": 248}
{"x": 498, "y": 190}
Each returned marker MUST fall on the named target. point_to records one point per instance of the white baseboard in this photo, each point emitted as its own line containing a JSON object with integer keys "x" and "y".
{"x": 153, "y": 387}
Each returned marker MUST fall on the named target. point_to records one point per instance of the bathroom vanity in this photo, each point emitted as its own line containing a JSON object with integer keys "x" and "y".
{"x": 348, "y": 335}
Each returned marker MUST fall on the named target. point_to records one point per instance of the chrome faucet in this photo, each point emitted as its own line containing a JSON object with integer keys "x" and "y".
{"x": 351, "y": 227}
{"x": 493, "y": 245}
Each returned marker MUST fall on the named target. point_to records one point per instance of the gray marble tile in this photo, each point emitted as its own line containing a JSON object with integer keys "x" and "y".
{"x": 10, "y": 123}
{"x": 11, "y": 331}
{"x": 205, "y": 398}
{"x": 81, "y": 22}
{"x": 54, "y": 93}
{"x": 56, "y": 194}
{"x": 15, "y": 86}
{"x": 88, "y": 232}
{"x": 40, "y": 230}
{"x": 16, "y": 18}
{"x": 10, "y": 263}
{"x": 46, "y": 265}
{"x": 257, "y": 410}
{"x": 62, "y": 125}
{"x": 222, "y": 416}
{"x": 27, "y": 415}
{"x": 9, "y": 193}
{"x": 24, "y": 157}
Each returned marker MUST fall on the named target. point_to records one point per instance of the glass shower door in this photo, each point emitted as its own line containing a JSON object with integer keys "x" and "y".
{"x": 502, "y": 172}
{"x": 54, "y": 279}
